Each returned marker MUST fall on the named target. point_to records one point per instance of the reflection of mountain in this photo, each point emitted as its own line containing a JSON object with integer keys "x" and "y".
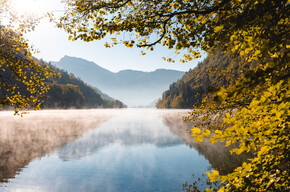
{"x": 132, "y": 130}
{"x": 74, "y": 134}
{"x": 38, "y": 134}
{"x": 215, "y": 153}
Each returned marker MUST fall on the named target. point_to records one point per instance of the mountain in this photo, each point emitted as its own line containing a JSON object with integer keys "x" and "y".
{"x": 216, "y": 70}
{"x": 71, "y": 92}
{"x": 134, "y": 88}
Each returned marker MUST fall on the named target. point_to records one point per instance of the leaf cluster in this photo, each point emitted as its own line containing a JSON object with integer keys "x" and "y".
{"x": 21, "y": 76}
{"x": 186, "y": 25}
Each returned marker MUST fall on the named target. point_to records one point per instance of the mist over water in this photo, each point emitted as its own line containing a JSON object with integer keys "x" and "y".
{"x": 100, "y": 150}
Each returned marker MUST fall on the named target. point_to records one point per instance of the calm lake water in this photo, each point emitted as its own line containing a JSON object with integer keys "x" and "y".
{"x": 102, "y": 150}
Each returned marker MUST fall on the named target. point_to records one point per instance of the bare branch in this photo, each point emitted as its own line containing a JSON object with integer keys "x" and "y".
{"x": 162, "y": 36}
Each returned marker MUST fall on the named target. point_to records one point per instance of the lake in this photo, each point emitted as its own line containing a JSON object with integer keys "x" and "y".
{"x": 103, "y": 150}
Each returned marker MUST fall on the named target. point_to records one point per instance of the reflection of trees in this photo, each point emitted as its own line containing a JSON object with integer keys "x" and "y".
{"x": 38, "y": 134}
{"x": 217, "y": 155}
{"x": 127, "y": 131}
{"x": 35, "y": 135}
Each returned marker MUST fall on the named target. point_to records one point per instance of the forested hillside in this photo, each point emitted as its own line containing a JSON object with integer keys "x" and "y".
{"x": 216, "y": 70}
{"x": 134, "y": 88}
{"x": 67, "y": 91}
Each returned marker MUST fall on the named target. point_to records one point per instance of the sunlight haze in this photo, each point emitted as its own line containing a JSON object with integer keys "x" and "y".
{"x": 53, "y": 44}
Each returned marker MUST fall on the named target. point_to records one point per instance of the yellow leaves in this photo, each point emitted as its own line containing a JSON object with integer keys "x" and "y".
{"x": 215, "y": 173}
{"x": 107, "y": 45}
{"x": 206, "y": 133}
{"x": 214, "y": 176}
{"x": 218, "y": 132}
{"x": 214, "y": 139}
{"x": 199, "y": 138}
{"x": 221, "y": 189}
{"x": 24, "y": 71}
{"x": 263, "y": 150}
{"x": 228, "y": 143}
{"x": 169, "y": 60}
{"x": 228, "y": 115}
{"x": 218, "y": 28}
{"x": 262, "y": 112}
{"x": 128, "y": 44}
{"x": 195, "y": 131}
{"x": 238, "y": 150}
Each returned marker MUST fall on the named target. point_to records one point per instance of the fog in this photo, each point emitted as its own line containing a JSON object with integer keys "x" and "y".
{"x": 39, "y": 133}
{"x": 76, "y": 134}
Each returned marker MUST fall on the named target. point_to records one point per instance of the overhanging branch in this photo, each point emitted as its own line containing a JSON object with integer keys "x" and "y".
{"x": 171, "y": 15}
{"x": 196, "y": 12}
{"x": 162, "y": 36}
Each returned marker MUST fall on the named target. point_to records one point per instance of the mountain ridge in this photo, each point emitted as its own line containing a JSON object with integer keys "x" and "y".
{"x": 67, "y": 91}
{"x": 64, "y": 59}
{"x": 133, "y": 87}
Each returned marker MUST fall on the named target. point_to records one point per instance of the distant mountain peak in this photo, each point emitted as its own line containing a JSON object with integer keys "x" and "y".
{"x": 134, "y": 88}
{"x": 79, "y": 60}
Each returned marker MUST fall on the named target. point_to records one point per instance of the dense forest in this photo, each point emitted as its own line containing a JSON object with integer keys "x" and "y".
{"x": 68, "y": 91}
{"x": 217, "y": 70}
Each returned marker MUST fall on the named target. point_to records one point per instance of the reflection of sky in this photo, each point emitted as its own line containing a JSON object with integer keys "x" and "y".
{"x": 132, "y": 152}
{"x": 115, "y": 168}
{"x": 132, "y": 129}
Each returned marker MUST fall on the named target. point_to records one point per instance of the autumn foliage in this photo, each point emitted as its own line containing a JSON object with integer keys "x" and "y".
{"x": 253, "y": 111}
{"x": 22, "y": 78}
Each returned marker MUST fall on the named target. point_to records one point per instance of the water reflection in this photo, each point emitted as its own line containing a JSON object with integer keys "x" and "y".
{"x": 216, "y": 153}
{"x": 38, "y": 134}
{"x": 102, "y": 150}
{"x": 129, "y": 129}
{"x": 127, "y": 150}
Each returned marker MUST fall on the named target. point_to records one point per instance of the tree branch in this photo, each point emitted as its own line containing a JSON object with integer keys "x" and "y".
{"x": 204, "y": 12}
{"x": 171, "y": 15}
{"x": 162, "y": 36}
{"x": 107, "y": 5}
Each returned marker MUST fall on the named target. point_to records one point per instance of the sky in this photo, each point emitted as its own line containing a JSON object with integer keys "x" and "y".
{"x": 53, "y": 44}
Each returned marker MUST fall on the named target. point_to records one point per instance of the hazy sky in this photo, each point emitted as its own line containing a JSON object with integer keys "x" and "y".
{"x": 53, "y": 44}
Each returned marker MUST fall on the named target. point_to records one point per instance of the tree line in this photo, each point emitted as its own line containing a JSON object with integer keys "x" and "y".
{"x": 217, "y": 70}
{"x": 67, "y": 91}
